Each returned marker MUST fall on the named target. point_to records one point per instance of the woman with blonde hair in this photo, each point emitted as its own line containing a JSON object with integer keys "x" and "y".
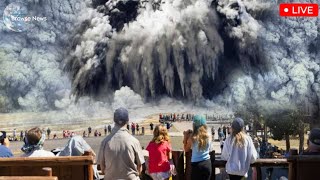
{"x": 160, "y": 157}
{"x": 199, "y": 141}
{"x": 238, "y": 151}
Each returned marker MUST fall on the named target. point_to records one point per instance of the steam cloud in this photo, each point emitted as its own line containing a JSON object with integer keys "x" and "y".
{"x": 227, "y": 52}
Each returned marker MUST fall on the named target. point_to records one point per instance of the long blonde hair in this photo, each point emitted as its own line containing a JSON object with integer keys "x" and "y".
{"x": 160, "y": 134}
{"x": 239, "y": 138}
{"x": 200, "y": 135}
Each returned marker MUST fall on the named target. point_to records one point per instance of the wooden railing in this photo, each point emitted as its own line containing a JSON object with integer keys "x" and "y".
{"x": 258, "y": 164}
{"x": 304, "y": 167}
{"x": 65, "y": 168}
{"x": 184, "y": 167}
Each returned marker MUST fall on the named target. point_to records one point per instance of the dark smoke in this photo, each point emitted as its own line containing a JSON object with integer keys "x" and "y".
{"x": 190, "y": 58}
{"x": 228, "y": 52}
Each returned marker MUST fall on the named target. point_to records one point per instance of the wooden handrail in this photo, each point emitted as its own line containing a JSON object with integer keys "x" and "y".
{"x": 28, "y": 178}
{"x": 63, "y": 167}
{"x": 39, "y": 161}
{"x": 303, "y": 166}
{"x": 217, "y": 163}
{"x": 258, "y": 163}
{"x": 309, "y": 158}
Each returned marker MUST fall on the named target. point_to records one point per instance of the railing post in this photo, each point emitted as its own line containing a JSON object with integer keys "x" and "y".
{"x": 178, "y": 160}
{"x": 259, "y": 173}
{"x": 213, "y": 158}
{"x": 46, "y": 171}
{"x": 292, "y": 164}
{"x": 188, "y": 165}
{"x": 293, "y": 152}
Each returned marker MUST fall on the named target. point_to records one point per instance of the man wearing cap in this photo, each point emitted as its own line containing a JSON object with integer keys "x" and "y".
{"x": 313, "y": 143}
{"x": 4, "y": 147}
{"x": 120, "y": 155}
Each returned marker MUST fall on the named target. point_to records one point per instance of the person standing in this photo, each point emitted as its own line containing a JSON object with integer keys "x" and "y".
{"x": 256, "y": 145}
{"x": 213, "y": 132}
{"x": 160, "y": 156}
{"x": 138, "y": 129}
{"x": 238, "y": 151}
{"x": 151, "y": 126}
{"x": 89, "y": 131}
{"x": 133, "y": 128}
{"x": 21, "y": 135}
{"x": 14, "y": 134}
{"x": 221, "y": 135}
{"x": 105, "y": 130}
{"x": 48, "y": 132}
{"x": 109, "y": 128}
{"x": 120, "y": 155}
{"x": 224, "y": 130}
{"x": 168, "y": 125}
{"x": 199, "y": 141}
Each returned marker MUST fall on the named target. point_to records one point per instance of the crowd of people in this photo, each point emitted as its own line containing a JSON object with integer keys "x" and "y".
{"x": 175, "y": 117}
{"x": 121, "y": 156}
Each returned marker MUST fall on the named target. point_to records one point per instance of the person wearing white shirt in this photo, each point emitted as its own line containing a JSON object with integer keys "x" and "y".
{"x": 238, "y": 151}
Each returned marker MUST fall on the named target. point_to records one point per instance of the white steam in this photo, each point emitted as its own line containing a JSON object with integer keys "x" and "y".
{"x": 177, "y": 46}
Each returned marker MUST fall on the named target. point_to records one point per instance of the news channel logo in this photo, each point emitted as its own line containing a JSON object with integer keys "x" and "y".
{"x": 17, "y": 18}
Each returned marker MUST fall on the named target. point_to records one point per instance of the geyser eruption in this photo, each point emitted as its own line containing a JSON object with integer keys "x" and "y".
{"x": 234, "y": 52}
{"x": 172, "y": 50}
{"x": 228, "y": 52}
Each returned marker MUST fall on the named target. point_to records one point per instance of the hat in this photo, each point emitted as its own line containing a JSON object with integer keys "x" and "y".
{"x": 237, "y": 125}
{"x": 3, "y": 134}
{"x": 314, "y": 136}
{"x": 199, "y": 120}
{"x": 121, "y": 116}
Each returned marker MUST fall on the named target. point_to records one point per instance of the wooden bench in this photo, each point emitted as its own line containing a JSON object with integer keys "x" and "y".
{"x": 304, "y": 167}
{"x": 65, "y": 168}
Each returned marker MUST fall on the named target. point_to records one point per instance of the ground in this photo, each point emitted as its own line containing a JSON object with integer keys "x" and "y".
{"x": 294, "y": 142}
{"x": 176, "y": 134}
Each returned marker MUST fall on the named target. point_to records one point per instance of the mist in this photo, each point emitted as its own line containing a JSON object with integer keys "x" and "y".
{"x": 201, "y": 54}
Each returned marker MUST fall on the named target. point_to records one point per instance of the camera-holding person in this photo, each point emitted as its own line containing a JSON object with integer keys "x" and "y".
{"x": 4, "y": 147}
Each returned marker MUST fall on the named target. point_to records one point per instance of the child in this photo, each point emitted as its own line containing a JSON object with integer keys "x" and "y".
{"x": 160, "y": 157}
